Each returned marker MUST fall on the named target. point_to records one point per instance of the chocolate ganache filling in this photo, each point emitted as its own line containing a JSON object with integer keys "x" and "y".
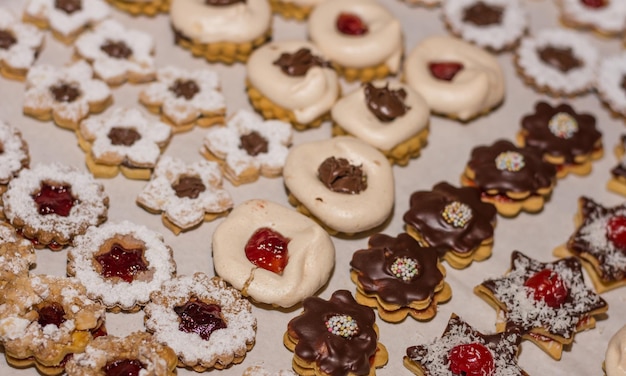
{"x": 384, "y": 103}
{"x": 188, "y": 186}
{"x": 253, "y": 143}
{"x": 64, "y": 92}
{"x": 68, "y": 6}
{"x": 116, "y": 49}
{"x": 297, "y": 64}
{"x": 481, "y": 14}
{"x": 561, "y": 58}
{"x": 338, "y": 175}
{"x": 123, "y": 136}
{"x": 6, "y": 39}
{"x": 185, "y": 88}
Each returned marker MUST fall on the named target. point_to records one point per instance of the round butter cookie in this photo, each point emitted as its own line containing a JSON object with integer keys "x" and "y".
{"x": 294, "y": 9}
{"x": 605, "y": 17}
{"x": 20, "y": 44}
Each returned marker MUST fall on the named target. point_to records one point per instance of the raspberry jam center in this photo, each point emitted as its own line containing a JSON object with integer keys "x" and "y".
{"x": 445, "y": 70}
{"x": 351, "y": 24}
{"x": 54, "y": 199}
{"x": 267, "y": 249}
{"x": 122, "y": 263}
{"x": 548, "y": 286}
{"x": 616, "y": 231}
{"x": 472, "y": 359}
{"x": 595, "y": 3}
{"x": 123, "y": 367}
{"x": 199, "y": 317}
{"x": 51, "y": 314}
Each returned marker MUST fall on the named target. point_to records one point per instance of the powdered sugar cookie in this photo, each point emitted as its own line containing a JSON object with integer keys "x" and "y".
{"x": 14, "y": 156}
{"x": 493, "y": 24}
{"x": 207, "y": 323}
{"x": 46, "y": 319}
{"x": 142, "y": 7}
{"x": 296, "y": 9}
{"x": 611, "y": 82}
{"x": 120, "y": 264}
{"x": 17, "y": 255}
{"x": 186, "y": 194}
{"x": 606, "y": 17}
{"x": 51, "y": 204}
{"x": 259, "y": 370}
{"x": 248, "y": 147}
{"x": 20, "y": 45}
{"x": 137, "y": 353}
{"x": 66, "y": 18}
{"x": 272, "y": 254}
{"x": 557, "y": 62}
{"x": 185, "y": 98}
{"x": 65, "y": 95}
{"x": 118, "y": 54}
{"x": 617, "y": 183}
{"x": 123, "y": 139}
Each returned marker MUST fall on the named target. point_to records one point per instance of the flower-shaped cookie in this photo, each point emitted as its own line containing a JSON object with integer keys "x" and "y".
{"x": 610, "y": 83}
{"x": 248, "y": 147}
{"x": 607, "y": 17}
{"x": 399, "y": 278}
{"x": 17, "y": 255}
{"x": 185, "y": 194}
{"x": 123, "y": 139}
{"x": 548, "y": 301}
{"x": 46, "y": 318}
{"x": 66, "y": 18}
{"x": 13, "y": 156}
{"x": 184, "y": 98}
{"x": 66, "y": 95}
{"x": 567, "y": 139}
{"x": 19, "y": 46}
{"x": 118, "y": 54}
{"x": 617, "y": 183}
{"x": 462, "y": 350}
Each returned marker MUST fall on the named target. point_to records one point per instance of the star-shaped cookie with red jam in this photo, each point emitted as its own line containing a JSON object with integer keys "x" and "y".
{"x": 548, "y": 301}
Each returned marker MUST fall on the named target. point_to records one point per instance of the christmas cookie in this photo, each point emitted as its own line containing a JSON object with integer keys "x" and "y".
{"x": 455, "y": 219}
{"x": 207, "y": 323}
{"x": 185, "y": 98}
{"x": 611, "y": 83}
{"x": 248, "y": 147}
{"x": 225, "y": 31}
{"x": 391, "y": 117}
{"x": 617, "y": 183}
{"x": 296, "y": 9}
{"x": 598, "y": 242}
{"x": 343, "y": 183}
{"x": 291, "y": 81}
{"x": 20, "y": 45}
{"x": 457, "y": 79}
{"x": 66, "y": 18}
{"x": 185, "y": 194}
{"x": 557, "y": 62}
{"x": 65, "y": 95}
{"x": 51, "y": 204}
{"x": 123, "y": 139}
{"x": 566, "y": 138}
{"x": 496, "y": 25}
{"x": 259, "y": 370}
{"x": 136, "y": 354}
{"x": 14, "y": 156}
{"x": 17, "y": 255}
{"x": 273, "y": 254}
{"x": 616, "y": 354}
{"x": 548, "y": 301}
{"x": 606, "y": 17}
{"x": 399, "y": 277}
{"x": 361, "y": 38}
{"x": 511, "y": 178}
{"x": 335, "y": 337}
{"x": 425, "y": 3}
{"x": 142, "y": 7}
{"x": 118, "y": 54}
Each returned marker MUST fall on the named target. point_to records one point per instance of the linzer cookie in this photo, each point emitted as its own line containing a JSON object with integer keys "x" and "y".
{"x": 343, "y": 183}
{"x": 391, "y": 117}
{"x": 118, "y": 54}
{"x": 496, "y": 25}
{"x": 337, "y": 337}
{"x": 361, "y": 38}
{"x": 611, "y": 83}
{"x": 605, "y": 17}
{"x": 463, "y": 350}
{"x": 17, "y": 255}
{"x": 44, "y": 320}
{"x": 291, "y": 81}
{"x": 137, "y": 353}
{"x": 14, "y": 156}
{"x": 557, "y": 62}
{"x": 615, "y": 354}
{"x": 65, "y": 95}
{"x": 142, "y": 7}
{"x": 225, "y": 31}
{"x": 66, "y": 18}
{"x": 120, "y": 264}
{"x": 272, "y": 254}
{"x": 511, "y": 178}
{"x": 207, "y": 323}
{"x": 123, "y": 139}
{"x": 248, "y": 147}
{"x": 454, "y": 219}
{"x": 20, "y": 45}
{"x": 294, "y": 9}
{"x": 399, "y": 277}
{"x": 599, "y": 243}
{"x": 458, "y": 80}
{"x": 617, "y": 183}
{"x": 185, "y": 98}
{"x": 185, "y": 194}
{"x": 51, "y": 204}
{"x": 548, "y": 301}
{"x": 566, "y": 138}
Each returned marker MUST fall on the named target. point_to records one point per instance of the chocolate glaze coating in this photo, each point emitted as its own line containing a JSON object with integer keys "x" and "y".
{"x": 560, "y": 58}
{"x": 384, "y": 103}
{"x": 482, "y": 14}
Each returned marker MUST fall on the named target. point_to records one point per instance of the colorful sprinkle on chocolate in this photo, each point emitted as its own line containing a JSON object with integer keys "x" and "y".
{"x": 510, "y": 161}
{"x": 457, "y": 214}
{"x": 405, "y": 268}
{"x": 342, "y": 325}
{"x": 563, "y": 125}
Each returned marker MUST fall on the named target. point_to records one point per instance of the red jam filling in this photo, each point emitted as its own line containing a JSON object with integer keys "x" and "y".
{"x": 51, "y": 313}
{"x": 444, "y": 70}
{"x": 616, "y": 231}
{"x": 548, "y": 286}
{"x": 54, "y": 199}
{"x": 123, "y": 367}
{"x": 122, "y": 263}
{"x": 199, "y": 317}
{"x": 595, "y": 3}
{"x": 267, "y": 249}
{"x": 351, "y": 24}
{"x": 472, "y": 359}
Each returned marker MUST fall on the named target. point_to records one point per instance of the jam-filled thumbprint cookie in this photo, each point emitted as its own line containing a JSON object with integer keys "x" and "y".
{"x": 605, "y": 17}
